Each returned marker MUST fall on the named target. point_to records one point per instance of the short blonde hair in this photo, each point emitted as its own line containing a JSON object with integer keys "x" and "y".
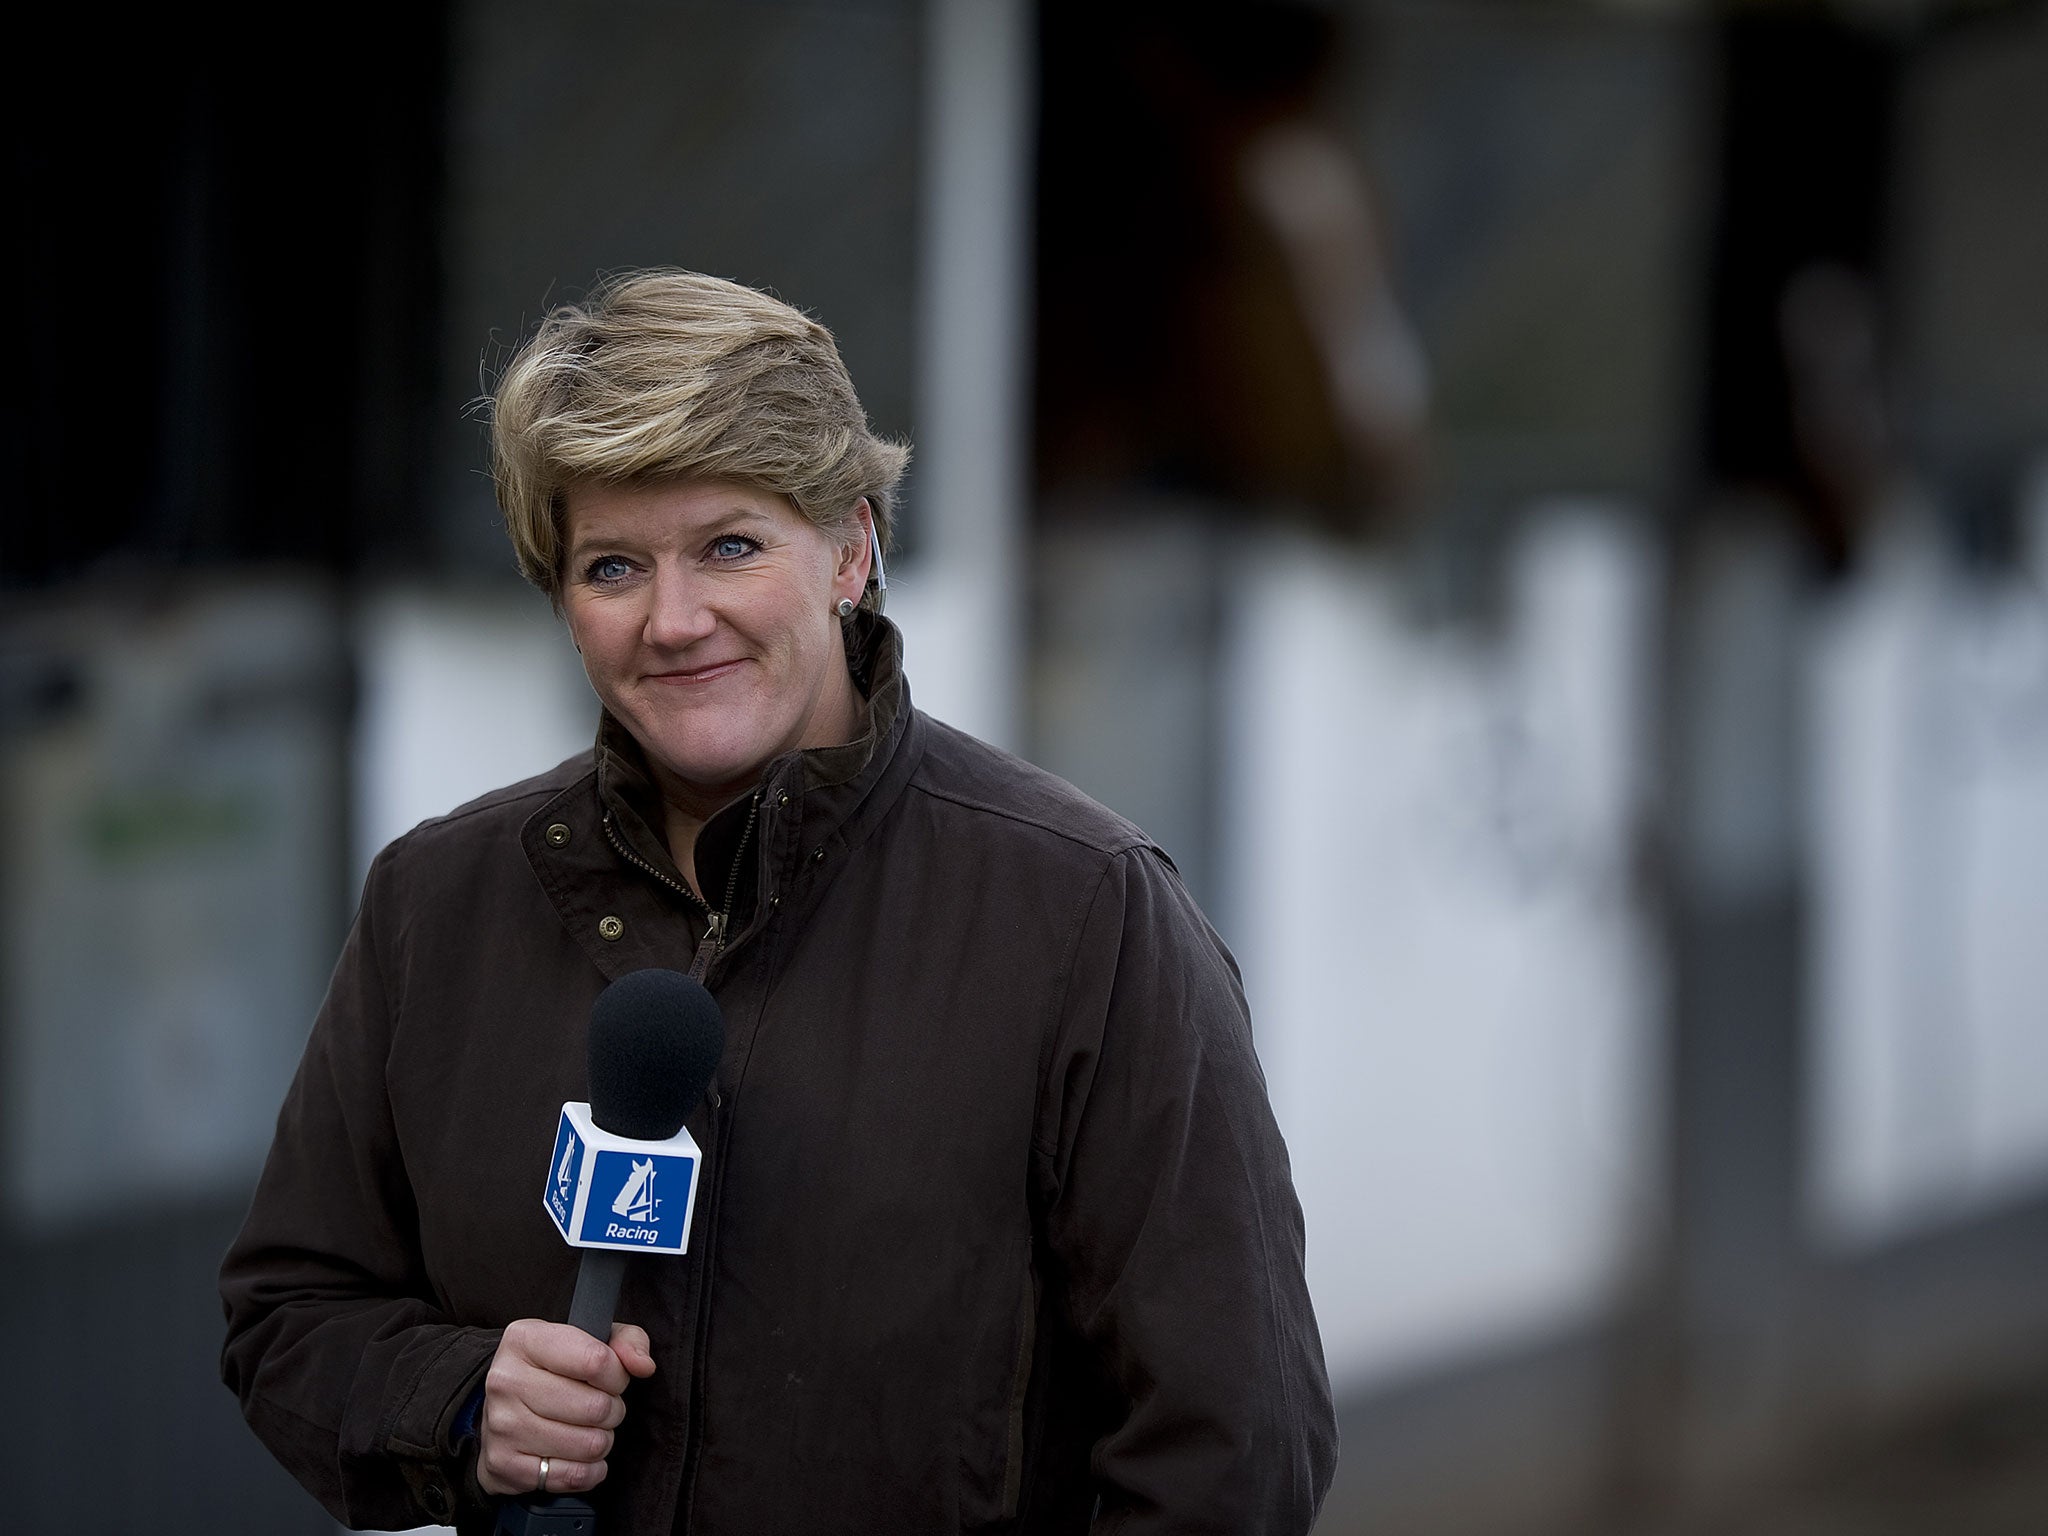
{"x": 663, "y": 374}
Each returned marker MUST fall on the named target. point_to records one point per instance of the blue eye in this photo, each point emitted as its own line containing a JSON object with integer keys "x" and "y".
{"x": 732, "y": 546}
{"x": 607, "y": 569}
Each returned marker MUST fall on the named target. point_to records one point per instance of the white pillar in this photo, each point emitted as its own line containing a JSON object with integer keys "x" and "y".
{"x": 961, "y": 598}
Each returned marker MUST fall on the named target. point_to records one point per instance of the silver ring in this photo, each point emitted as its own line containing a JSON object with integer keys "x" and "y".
{"x": 543, "y": 1488}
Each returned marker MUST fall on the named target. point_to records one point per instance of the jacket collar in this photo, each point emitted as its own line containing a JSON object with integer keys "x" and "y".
{"x": 597, "y": 853}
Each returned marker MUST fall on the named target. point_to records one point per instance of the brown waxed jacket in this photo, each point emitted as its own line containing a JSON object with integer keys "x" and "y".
{"x": 996, "y": 1231}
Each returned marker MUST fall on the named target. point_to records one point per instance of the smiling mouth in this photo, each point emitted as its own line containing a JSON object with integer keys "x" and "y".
{"x": 684, "y": 676}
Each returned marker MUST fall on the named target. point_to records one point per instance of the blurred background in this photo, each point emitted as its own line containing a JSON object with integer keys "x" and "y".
{"x": 1541, "y": 507}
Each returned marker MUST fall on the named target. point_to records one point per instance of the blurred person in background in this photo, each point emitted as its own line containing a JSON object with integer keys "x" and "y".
{"x": 1219, "y": 317}
{"x": 997, "y": 1230}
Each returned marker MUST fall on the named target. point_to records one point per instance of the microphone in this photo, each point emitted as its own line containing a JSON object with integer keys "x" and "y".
{"x": 623, "y": 1179}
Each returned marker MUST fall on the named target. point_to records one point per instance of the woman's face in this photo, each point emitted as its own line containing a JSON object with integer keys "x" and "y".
{"x": 705, "y": 615}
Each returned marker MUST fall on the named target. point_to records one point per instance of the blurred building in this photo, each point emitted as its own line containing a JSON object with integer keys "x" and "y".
{"x": 1541, "y": 508}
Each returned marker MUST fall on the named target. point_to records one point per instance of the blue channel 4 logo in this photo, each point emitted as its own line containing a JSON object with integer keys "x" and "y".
{"x": 638, "y": 1198}
{"x": 568, "y": 1164}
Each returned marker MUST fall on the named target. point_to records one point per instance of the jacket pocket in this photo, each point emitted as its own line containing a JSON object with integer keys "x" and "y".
{"x": 992, "y": 1411}
{"x": 1013, "y": 1426}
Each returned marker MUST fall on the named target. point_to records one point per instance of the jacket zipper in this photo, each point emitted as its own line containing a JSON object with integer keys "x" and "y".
{"x": 732, "y": 879}
{"x": 619, "y": 847}
{"x": 716, "y": 922}
{"x": 693, "y": 1439}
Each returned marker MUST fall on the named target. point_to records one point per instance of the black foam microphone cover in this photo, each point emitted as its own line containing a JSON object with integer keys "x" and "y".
{"x": 655, "y": 1040}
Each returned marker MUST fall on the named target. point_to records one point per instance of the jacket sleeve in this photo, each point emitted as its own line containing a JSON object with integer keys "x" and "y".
{"x": 1171, "y": 1216}
{"x": 344, "y": 1366}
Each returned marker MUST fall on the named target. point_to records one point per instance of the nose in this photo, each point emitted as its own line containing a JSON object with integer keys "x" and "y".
{"x": 678, "y": 611}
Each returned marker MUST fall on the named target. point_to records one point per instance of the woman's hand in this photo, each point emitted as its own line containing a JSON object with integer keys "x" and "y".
{"x": 553, "y": 1391}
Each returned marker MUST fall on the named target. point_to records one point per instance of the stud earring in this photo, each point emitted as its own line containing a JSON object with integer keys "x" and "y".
{"x": 845, "y": 609}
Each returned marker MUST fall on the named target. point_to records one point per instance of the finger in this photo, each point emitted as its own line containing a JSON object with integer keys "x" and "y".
{"x": 520, "y": 1473}
{"x": 519, "y": 1430}
{"x": 565, "y": 1351}
{"x": 630, "y": 1344}
{"x": 513, "y": 1392}
{"x": 511, "y": 1438}
{"x": 570, "y": 1476}
{"x": 551, "y": 1397}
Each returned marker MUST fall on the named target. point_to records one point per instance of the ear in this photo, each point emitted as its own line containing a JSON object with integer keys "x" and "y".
{"x": 851, "y": 577}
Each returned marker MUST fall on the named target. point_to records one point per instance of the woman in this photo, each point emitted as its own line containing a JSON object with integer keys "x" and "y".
{"x": 996, "y": 1231}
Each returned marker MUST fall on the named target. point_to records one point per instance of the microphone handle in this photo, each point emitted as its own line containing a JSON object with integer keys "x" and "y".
{"x": 545, "y": 1515}
{"x": 597, "y": 1291}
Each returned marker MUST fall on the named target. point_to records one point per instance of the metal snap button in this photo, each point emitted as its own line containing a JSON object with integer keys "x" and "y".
{"x": 435, "y": 1496}
{"x": 817, "y": 855}
{"x": 611, "y": 927}
{"x": 558, "y": 834}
